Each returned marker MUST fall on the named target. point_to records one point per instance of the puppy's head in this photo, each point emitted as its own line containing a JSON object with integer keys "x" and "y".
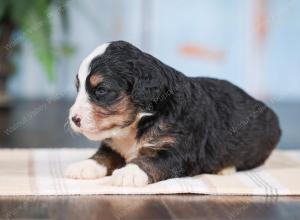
{"x": 116, "y": 87}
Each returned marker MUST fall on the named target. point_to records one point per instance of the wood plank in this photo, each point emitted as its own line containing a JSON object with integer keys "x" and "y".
{"x": 108, "y": 207}
{"x": 231, "y": 207}
{"x": 150, "y": 207}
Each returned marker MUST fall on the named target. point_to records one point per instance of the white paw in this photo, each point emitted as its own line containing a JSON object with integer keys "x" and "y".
{"x": 130, "y": 175}
{"x": 86, "y": 169}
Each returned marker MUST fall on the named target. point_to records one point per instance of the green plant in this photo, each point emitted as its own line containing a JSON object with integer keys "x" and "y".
{"x": 30, "y": 19}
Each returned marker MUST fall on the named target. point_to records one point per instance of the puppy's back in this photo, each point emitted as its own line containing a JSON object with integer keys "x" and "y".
{"x": 249, "y": 128}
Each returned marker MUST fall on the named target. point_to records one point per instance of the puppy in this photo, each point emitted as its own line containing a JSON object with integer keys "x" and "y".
{"x": 155, "y": 123}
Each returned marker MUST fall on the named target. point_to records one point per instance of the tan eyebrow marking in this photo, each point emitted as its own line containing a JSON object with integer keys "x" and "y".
{"x": 95, "y": 80}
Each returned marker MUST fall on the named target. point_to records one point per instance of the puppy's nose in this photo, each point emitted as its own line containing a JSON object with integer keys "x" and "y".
{"x": 76, "y": 120}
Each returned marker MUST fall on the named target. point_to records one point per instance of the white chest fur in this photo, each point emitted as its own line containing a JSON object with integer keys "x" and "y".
{"x": 125, "y": 143}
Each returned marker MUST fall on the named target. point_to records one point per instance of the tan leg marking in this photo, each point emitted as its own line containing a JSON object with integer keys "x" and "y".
{"x": 227, "y": 171}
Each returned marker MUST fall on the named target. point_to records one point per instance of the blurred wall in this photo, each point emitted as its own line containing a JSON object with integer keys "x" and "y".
{"x": 253, "y": 43}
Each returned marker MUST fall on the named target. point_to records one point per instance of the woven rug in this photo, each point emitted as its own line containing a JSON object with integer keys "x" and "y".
{"x": 40, "y": 172}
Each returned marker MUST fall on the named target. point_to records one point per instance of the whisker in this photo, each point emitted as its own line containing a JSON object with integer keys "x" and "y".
{"x": 67, "y": 128}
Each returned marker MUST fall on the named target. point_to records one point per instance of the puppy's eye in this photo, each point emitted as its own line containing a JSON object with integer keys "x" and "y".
{"x": 100, "y": 91}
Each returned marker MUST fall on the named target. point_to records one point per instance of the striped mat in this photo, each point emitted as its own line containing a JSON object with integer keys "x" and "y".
{"x": 40, "y": 172}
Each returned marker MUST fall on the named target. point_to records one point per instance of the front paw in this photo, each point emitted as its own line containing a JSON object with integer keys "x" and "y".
{"x": 130, "y": 175}
{"x": 86, "y": 169}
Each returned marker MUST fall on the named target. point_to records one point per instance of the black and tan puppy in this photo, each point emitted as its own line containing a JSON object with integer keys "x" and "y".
{"x": 155, "y": 123}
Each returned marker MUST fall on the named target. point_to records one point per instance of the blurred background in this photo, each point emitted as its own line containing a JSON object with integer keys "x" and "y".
{"x": 252, "y": 43}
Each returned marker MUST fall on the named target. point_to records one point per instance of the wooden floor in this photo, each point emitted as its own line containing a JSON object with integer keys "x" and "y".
{"x": 41, "y": 124}
{"x": 150, "y": 207}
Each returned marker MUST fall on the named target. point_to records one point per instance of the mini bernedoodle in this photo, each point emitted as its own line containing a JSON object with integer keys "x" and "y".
{"x": 155, "y": 123}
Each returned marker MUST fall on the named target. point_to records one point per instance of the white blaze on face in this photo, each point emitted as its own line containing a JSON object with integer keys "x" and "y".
{"x": 82, "y": 107}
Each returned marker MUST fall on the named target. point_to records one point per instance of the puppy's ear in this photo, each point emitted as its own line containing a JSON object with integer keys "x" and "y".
{"x": 149, "y": 87}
